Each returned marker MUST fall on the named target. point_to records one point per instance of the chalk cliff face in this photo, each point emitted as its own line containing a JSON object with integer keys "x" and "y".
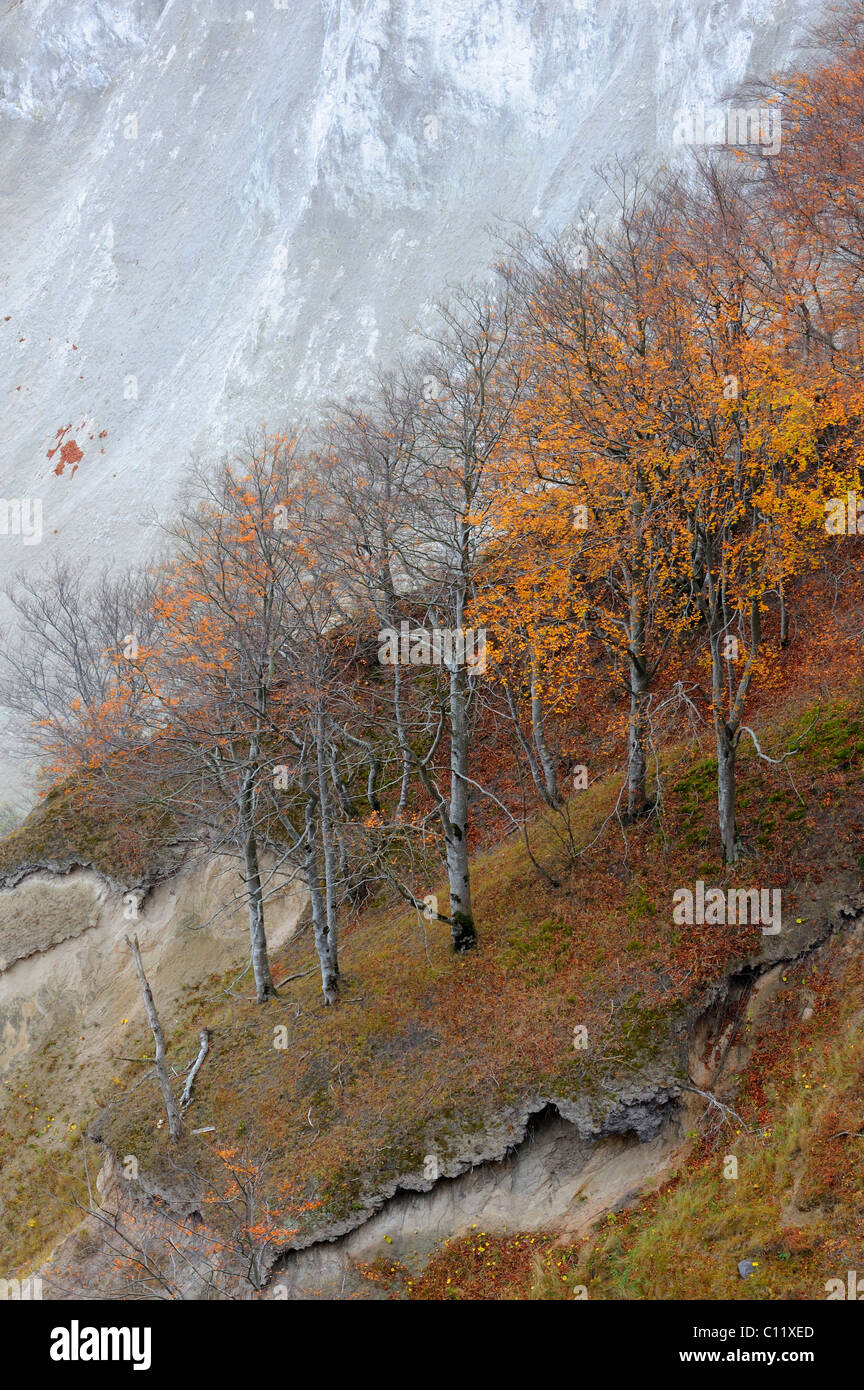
{"x": 65, "y": 966}
{"x": 213, "y": 215}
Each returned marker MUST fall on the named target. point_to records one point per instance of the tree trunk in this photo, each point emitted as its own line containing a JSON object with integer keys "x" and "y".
{"x": 327, "y": 844}
{"x": 537, "y": 776}
{"x": 726, "y": 744}
{"x": 264, "y": 986}
{"x": 538, "y": 718}
{"x": 329, "y": 979}
{"x": 784, "y": 616}
{"x": 637, "y": 763}
{"x": 463, "y": 931}
{"x": 726, "y": 751}
{"x": 405, "y": 783}
{"x": 162, "y": 1076}
{"x": 727, "y": 731}
{"x": 204, "y": 1039}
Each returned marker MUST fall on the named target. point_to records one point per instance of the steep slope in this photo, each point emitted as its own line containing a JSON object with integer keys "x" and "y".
{"x": 455, "y": 1060}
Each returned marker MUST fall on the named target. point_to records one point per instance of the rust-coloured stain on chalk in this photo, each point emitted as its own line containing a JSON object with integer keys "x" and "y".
{"x": 70, "y": 453}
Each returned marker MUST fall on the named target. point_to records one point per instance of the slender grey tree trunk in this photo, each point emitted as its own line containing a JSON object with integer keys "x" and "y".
{"x": 328, "y": 844}
{"x": 264, "y": 986}
{"x": 405, "y": 783}
{"x": 171, "y": 1108}
{"x": 463, "y": 930}
{"x": 726, "y": 751}
{"x": 637, "y": 797}
{"x": 538, "y": 725}
{"x": 726, "y": 744}
{"x": 784, "y": 616}
{"x": 637, "y": 730}
{"x": 320, "y": 932}
{"x": 527, "y": 748}
{"x": 204, "y": 1041}
{"x": 727, "y": 730}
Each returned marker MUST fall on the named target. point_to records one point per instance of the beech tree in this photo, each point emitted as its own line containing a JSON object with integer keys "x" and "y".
{"x": 531, "y": 599}
{"x": 471, "y": 383}
{"x": 744, "y": 426}
{"x": 369, "y": 465}
{"x": 211, "y": 678}
{"x": 58, "y": 659}
{"x": 593, "y": 423}
{"x": 813, "y": 193}
{"x": 304, "y": 783}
